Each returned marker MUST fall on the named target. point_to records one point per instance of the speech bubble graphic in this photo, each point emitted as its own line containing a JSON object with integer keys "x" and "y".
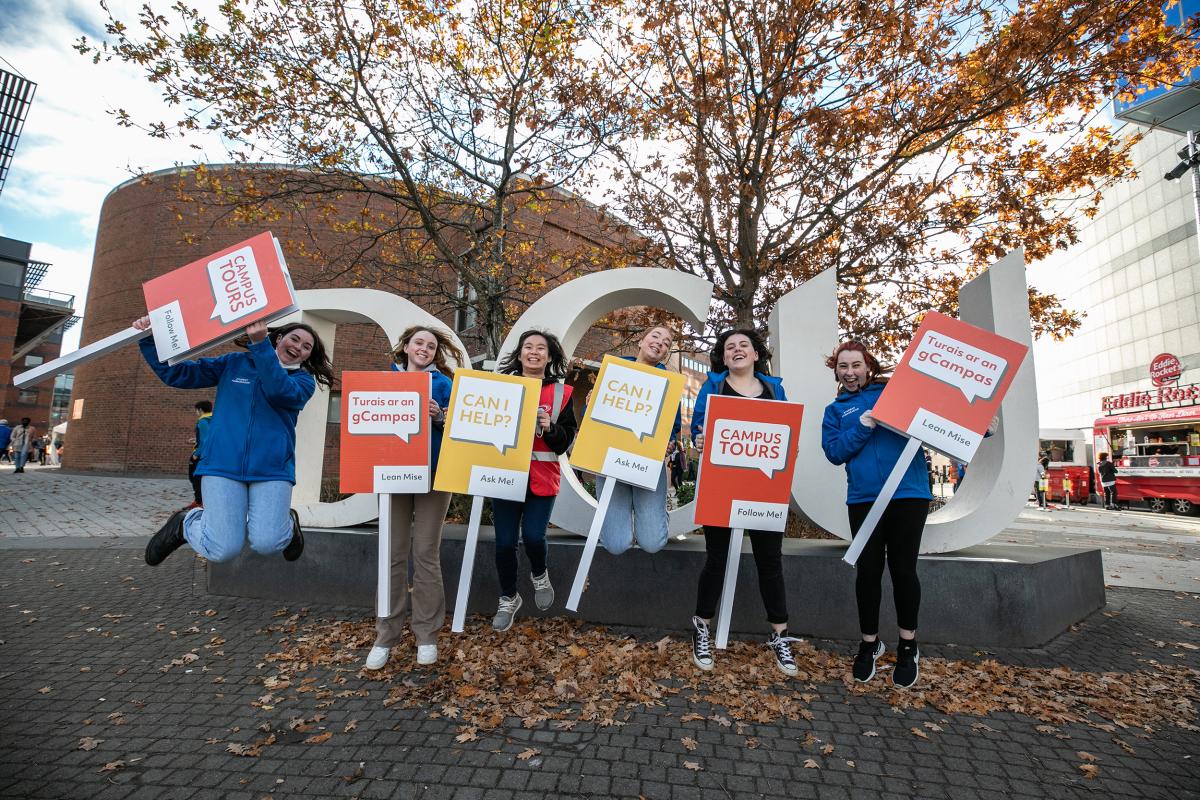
{"x": 751, "y": 445}
{"x": 237, "y": 286}
{"x": 974, "y": 372}
{"x": 487, "y": 412}
{"x": 629, "y": 399}
{"x": 388, "y": 413}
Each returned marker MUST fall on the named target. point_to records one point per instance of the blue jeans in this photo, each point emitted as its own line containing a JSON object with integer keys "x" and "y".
{"x": 528, "y": 520}
{"x": 234, "y": 511}
{"x": 634, "y": 511}
{"x": 21, "y": 456}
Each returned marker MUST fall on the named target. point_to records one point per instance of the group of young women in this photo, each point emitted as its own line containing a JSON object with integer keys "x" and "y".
{"x": 247, "y": 469}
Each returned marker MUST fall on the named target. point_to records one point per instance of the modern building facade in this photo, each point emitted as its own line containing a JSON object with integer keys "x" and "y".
{"x": 32, "y": 322}
{"x": 1136, "y": 276}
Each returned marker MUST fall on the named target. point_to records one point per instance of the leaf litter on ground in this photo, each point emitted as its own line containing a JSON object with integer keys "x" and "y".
{"x": 537, "y": 672}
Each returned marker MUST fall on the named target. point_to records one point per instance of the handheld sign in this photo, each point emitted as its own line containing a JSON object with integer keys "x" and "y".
{"x": 745, "y": 478}
{"x": 623, "y": 436}
{"x": 486, "y": 450}
{"x": 385, "y": 450}
{"x": 385, "y": 432}
{"x": 944, "y": 393}
{"x": 949, "y": 385}
{"x": 198, "y": 306}
{"x": 209, "y": 301}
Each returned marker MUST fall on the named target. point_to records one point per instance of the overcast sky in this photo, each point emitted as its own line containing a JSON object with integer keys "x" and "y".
{"x": 71, "y": 153}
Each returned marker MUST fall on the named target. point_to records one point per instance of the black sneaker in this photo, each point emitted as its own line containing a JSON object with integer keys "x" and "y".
{"x": 781, "y": 648}
{"x": 168, "y": 539}
{"x": 864, "y": 662}
{"x": 702, "y": 655}
{"x": 296, "y": 545}
{"x": 908, "y": 657}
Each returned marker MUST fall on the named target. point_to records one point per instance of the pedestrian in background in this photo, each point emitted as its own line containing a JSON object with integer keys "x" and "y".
{"x": 203, "y": 411}
{"x": 21, "y": 441}
{"x": 1108, "y": 481}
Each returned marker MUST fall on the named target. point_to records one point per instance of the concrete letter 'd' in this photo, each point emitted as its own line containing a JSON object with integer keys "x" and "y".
{"x": 569, "y": 310}
{"x": 803, "y": 333}
{"x": 323, "y": 309}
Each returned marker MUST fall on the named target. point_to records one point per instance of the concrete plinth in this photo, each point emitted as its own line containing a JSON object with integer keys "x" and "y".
{"x": 986, "y": 596}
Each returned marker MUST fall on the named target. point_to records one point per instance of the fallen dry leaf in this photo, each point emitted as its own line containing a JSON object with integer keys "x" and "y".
{"x": 850, "y": 764}
{"x": 692, "y": 765}
{"x": 1046, "y": 729}
{"x": 319, "y": 738}
{"x": 933, "y": 727}
{"x": 527, "y": 753}
{"x": 1086, "y": 756}
{"x": 112, "y": 766}
{"x": 810, "y": 764}
{"x": 89, "y": 743}
{"x": 467, "y": 736}
{"x": 919, "y": 732}
{"x": 870, "y": 733}
{"x": 827, "y": 749}
{"x": 351, "y": 725}
{"x": 689, "y": 743}
{"x": 577, "y": 651}
{"x": 1089, "y": 770}
{"x": 44, "y": 690}
{"x": 751, "y": 742}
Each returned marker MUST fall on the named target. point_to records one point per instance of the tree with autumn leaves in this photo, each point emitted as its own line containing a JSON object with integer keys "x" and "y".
{"x": 905, "y": 144}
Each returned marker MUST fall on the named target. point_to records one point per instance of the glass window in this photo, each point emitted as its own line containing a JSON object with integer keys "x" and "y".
{"x": 33, "y": 361}
{"x": 27, "y": 397}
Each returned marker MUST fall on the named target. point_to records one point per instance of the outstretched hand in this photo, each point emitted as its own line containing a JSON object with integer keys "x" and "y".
{"x": 256, "y": 331}
{"x": 142, "y": 324}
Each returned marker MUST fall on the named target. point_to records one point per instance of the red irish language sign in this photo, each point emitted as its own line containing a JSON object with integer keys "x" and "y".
{"x": 749, "y": 457}
{"x": 211, "y": 300}
{"x": 385, "y": 432}
{"x": 949, "y": 385}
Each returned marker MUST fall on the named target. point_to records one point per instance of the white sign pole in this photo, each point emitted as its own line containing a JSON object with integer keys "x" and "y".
{"x": 84, "y": 354}
{"x": 732, "y": 561}
{"x": 383, "y": 598}
{"x": 468, "y": 565}
{"x": 881, "y": 502}
{"x": 589, "y": 548}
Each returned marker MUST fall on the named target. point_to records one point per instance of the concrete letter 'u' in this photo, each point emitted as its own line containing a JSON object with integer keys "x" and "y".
{"x": 803, "y": 333}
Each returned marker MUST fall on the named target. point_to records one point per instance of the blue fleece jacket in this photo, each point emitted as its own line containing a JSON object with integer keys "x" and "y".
{"x": 252, "y": 436}
{"x": 439, "y": 391}
{"x": 715, "y": 383}
{"x": 868, "y": 453}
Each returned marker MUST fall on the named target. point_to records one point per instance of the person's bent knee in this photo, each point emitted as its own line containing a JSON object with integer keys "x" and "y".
{"x": 221, "y": 552}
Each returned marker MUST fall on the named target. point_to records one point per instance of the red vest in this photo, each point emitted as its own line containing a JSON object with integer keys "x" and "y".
{"x": 545, "y": 475}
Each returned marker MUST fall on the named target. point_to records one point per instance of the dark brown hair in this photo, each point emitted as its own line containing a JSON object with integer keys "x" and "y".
{"x": 317, "y": 364}
{"x": 716, "y": 356}
{"x": 445, "y": 345}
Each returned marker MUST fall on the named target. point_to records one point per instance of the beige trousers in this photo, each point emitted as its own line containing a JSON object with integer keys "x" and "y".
{"x": 417, "y": 524}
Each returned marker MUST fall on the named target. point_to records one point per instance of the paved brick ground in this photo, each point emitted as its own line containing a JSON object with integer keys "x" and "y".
{"x": 89, "y": 636}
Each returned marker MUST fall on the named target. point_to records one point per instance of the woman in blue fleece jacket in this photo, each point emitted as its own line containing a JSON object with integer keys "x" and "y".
{"x": 247, "y": 464}
{"x": 744, "y": 357}
{"x": 850, "y": 436}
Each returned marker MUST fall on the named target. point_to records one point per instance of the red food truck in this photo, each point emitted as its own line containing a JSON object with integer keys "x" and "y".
{"x": 1153, "y": 437}
{"x": 1069, "y": 464}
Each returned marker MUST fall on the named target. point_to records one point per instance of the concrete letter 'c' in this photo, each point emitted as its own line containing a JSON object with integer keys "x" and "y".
{"x": 803, "y": 333}
{"x": 569, "y": 310}
{"x": 323, "y": 309}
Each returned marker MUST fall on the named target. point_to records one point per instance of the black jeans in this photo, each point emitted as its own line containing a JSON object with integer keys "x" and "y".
{"x": 767, "y": 546}
{"x": 1110, "y": 495}
{"x": 896, "y": 539}
{"x": 526, "y": 521}
{"x": 196, "y": 491}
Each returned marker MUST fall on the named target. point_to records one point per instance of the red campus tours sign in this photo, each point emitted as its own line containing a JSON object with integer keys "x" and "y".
{"x": 949, "y": 385}
{"x": 749, "y": 457}
{"x": 385, "y": 432}
{"x": 210, "y": 300}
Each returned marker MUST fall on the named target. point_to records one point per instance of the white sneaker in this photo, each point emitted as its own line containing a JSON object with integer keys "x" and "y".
{"x": 505, "y": 613}
{"x": 377, "y": 657}
{"x": 543, "y": 590}
{"x": 426, "y": 654}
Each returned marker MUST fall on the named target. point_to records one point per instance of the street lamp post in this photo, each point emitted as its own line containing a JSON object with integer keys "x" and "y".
{"x": 1190, "y": 160}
